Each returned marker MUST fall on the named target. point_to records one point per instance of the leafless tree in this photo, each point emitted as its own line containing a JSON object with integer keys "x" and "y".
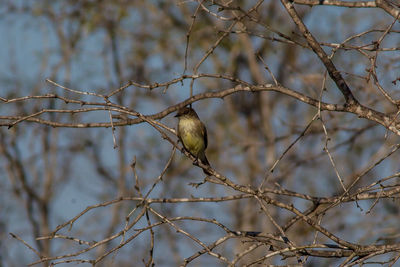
{"x": 301, "y": 105}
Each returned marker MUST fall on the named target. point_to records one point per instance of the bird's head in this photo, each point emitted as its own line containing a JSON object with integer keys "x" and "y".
{"x": 186, "y": 112}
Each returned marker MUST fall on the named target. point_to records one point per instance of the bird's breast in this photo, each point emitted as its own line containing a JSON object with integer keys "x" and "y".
{"x": 191, "y": 136}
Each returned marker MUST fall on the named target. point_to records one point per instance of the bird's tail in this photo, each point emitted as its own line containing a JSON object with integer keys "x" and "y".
{"x": 204, "y": 160}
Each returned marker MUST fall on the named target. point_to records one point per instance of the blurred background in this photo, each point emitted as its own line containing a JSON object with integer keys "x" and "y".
{"x": 51, "y": 174}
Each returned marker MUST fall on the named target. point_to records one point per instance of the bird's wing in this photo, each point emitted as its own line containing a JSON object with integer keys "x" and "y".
{"x": 179, "y": 136}
{"x": 204, "y": 132}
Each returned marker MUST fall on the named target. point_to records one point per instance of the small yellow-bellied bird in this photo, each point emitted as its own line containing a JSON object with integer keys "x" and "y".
{"x": 193, "y": 134}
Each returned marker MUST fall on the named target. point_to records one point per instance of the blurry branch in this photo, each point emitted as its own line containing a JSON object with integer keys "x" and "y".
{"x": 32, "y": 198}
{"x": 373, "y": 60}
{"x": 388, "y": 8}
{"x": 219, "y": 40}
{"x": 337, "y": 3}
{"x": 343, "y": 45}
{"x": 188, "y": 37}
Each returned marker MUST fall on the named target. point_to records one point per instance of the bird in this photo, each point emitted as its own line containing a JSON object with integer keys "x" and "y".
{"x": 192, "y": 133}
